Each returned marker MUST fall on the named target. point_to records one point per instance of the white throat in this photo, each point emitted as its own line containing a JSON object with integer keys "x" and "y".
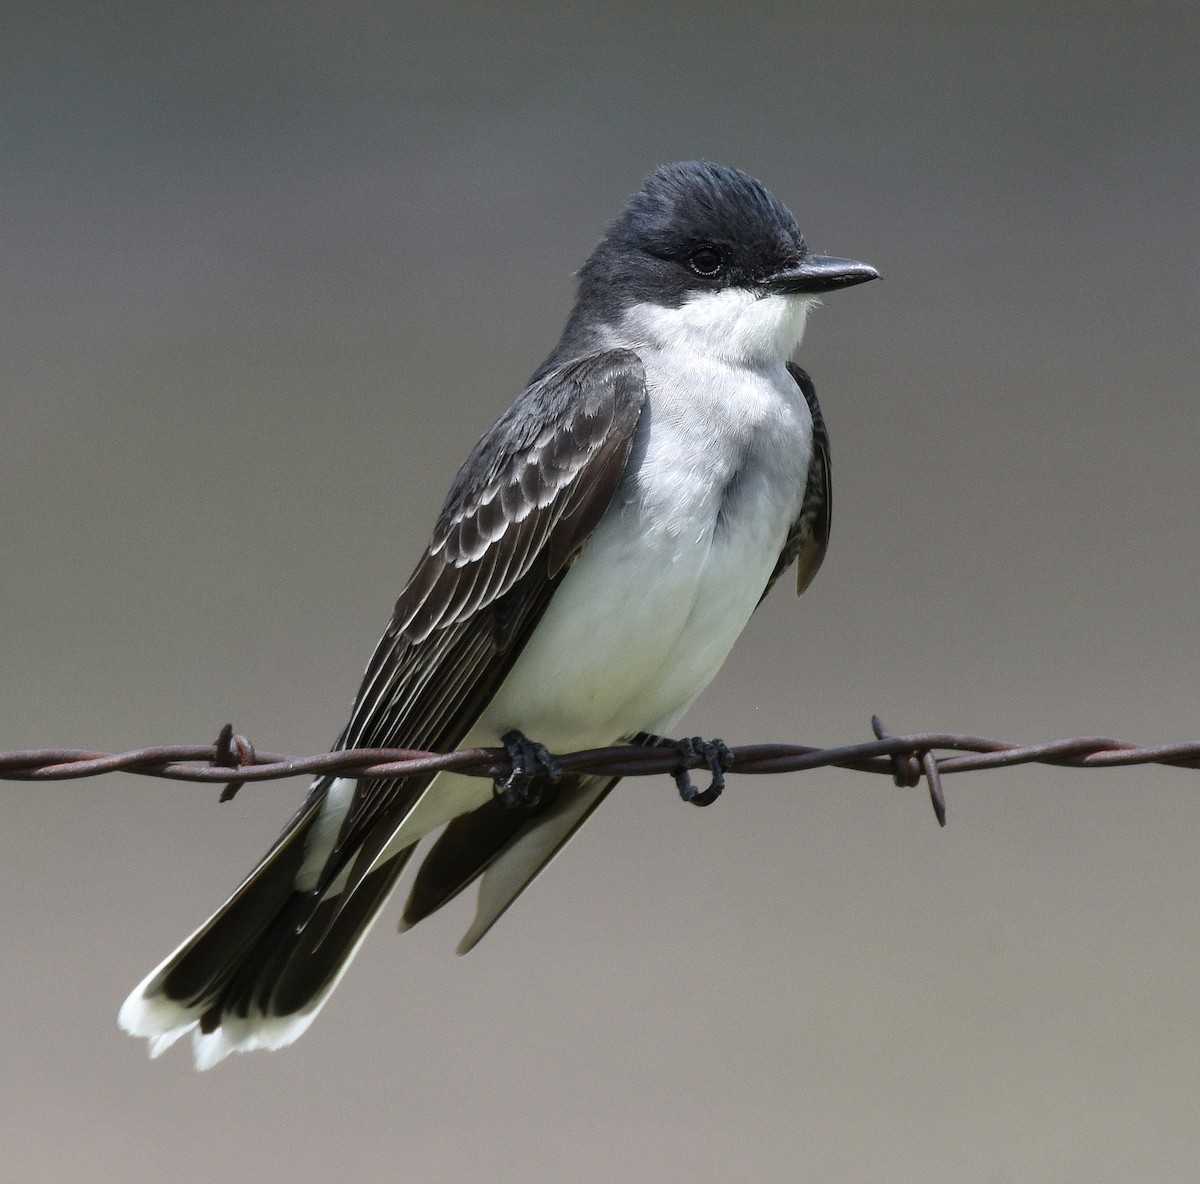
{"x": 734, "y": 324}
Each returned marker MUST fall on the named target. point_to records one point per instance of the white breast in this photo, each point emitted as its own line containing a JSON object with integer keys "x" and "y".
{"x": 644, "y": 619}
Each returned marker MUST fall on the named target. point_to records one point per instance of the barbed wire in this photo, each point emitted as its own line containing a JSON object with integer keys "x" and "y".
{"x": 906, "y": 759}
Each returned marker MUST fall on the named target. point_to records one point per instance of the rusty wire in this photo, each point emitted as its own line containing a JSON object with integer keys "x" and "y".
{"x": 906, "y": 759}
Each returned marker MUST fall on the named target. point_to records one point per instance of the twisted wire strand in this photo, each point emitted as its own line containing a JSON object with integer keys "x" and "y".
{"x": 232, "y": 760}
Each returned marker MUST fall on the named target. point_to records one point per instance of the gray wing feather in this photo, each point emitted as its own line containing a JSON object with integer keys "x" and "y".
{"x": 521, "y": 860}
{"x": 809, "y": 535}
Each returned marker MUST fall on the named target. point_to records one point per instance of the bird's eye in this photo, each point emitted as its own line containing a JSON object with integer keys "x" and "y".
{"x": 706, "y": 261}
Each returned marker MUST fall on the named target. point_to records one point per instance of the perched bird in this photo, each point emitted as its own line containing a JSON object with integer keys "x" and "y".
{"x": 596, "y": 558}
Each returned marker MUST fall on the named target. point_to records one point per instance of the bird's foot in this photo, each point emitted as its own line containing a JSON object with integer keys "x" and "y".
{"x": 694, "y": 751}
{"x": 532, "y": 768}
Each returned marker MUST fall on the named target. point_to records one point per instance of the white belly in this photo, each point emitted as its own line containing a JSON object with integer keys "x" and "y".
{"x": 634, "y": 633}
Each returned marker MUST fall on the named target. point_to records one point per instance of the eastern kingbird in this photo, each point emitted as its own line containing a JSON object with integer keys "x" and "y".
{"x": 596, "y": 558}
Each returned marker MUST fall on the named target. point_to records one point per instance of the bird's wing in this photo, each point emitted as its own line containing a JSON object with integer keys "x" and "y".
{"x": 519, "y": 510}
{"x": 508, "y": 847}
{"x": 809, "y": 535}
{"x": 530, "y": 851}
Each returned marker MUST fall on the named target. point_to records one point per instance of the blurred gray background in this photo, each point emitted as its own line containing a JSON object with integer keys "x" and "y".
{"x": 268, "y": 272}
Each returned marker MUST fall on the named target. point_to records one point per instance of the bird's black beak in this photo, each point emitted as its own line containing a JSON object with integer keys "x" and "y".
{"x": 819, "y": 273}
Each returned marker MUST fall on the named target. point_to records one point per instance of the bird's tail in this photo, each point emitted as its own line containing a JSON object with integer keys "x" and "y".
{"x": 258, "y": 971}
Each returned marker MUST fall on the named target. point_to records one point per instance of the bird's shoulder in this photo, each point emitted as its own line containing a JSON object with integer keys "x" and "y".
{"x": 531, "y": 490}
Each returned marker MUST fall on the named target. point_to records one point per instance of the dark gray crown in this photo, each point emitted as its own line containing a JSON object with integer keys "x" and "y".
{"x": 680, "y": 208}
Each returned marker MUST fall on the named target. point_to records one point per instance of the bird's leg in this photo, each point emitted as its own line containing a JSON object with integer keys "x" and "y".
{"x": 532, "y": 766}
{"x": 715, "y": 753}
